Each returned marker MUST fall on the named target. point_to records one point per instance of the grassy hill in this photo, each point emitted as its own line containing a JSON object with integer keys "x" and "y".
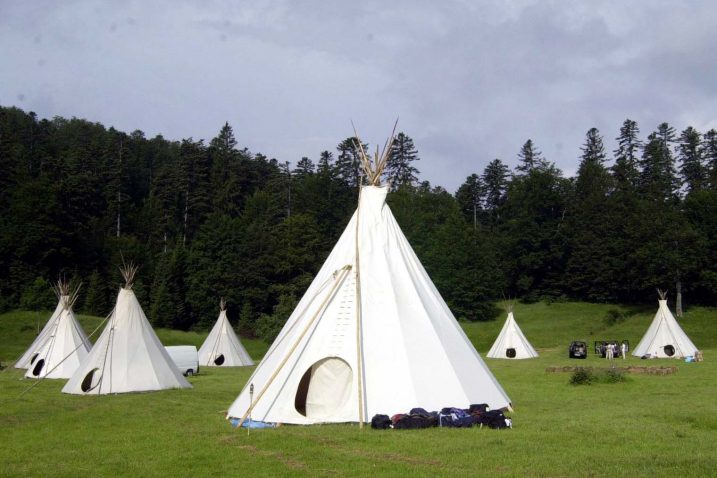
{"x": 646, "y": 426}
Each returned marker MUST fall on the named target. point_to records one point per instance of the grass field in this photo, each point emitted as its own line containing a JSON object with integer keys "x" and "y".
{"x": 650, "y": 426}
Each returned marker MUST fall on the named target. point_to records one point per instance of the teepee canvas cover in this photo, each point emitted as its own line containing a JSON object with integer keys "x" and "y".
{"x": 665, "y": 338}
{"x": 65, "y": 345}
{"x": 370, "y": 335}
{"x": 511, "y": 343}
{"x": 26, "y": 359}
{"x": 222, "y": 346}
{"x": 128, "y": 356}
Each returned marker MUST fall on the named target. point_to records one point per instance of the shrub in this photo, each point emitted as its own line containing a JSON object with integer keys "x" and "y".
{"x": 614, "y": 316}
{"x": 582, "y": 376}
{"x": 612, "y": 375}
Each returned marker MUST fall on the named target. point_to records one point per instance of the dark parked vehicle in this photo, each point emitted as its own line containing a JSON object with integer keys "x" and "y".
{"x": 578, "y": 350}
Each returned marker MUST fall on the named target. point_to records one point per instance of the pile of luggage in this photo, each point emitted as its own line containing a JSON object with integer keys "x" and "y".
{"x": 478, "y": 415}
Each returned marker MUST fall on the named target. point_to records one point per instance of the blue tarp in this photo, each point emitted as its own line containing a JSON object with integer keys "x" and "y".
{"x": 251, "y": 424}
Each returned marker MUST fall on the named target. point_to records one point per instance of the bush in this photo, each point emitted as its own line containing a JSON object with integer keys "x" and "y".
{"x": 614, "y": 316}
{"x": 582, "y": 376}
{"x": 612, "y": 375}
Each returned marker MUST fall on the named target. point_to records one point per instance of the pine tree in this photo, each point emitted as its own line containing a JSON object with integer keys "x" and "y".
{"x": 348, "y": 162}
{"x": 658, "y": 178}
{"x": 625, "y": 169}
{"x": 589, "y": 274}
{"x": 709, "y": 155}
{"x": 692, "y": 169}
{"x": 399, "y": 170}
{"x": 326, "y": 164}
{"x": 304, "y": 167}
{"x": 225, "y": 172}
{"x": 96, "y": 295}
{"x": 495, "y": 183}
{"x": 530, "y": 158}
{"x": 469, "y": 197}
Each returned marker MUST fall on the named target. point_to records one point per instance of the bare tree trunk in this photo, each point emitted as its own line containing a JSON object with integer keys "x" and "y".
{"x": 678, "y": 306}
{"x": 186, "y": 215}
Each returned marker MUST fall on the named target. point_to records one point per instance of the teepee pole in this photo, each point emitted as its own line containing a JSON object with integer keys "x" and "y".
{"x": 333, "y": 290}
{"x": 359, "y": 329}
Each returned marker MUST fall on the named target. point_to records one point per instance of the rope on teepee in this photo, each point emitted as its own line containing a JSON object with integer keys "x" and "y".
{"x": 338, "y": 280}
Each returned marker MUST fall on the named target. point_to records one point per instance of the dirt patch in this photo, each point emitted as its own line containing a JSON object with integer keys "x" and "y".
{"x": 632, "y": 369}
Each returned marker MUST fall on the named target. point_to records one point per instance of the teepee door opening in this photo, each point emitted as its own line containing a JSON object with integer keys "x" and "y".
{"x": 324, "y": 389}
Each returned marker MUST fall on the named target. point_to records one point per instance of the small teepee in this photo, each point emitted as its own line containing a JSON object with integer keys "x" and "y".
{"x": 64, "y": 344}
{"x": 128, "y": 356}
{"x": 511, "y": 343}
{"x": 222, "y": 347}
{"x": 26, "y": 360}
{"x": 665, "y": 338}
{"x": 371, "y": 334}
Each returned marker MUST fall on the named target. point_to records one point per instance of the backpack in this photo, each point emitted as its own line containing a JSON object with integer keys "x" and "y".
{"x": 380, "y": 422}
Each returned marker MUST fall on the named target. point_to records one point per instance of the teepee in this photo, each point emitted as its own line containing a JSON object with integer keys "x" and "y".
{"x": 63, "y": 344}
{"x": 128, "y": 356}
{"x": 222, "y": 346}
{"x": 27, "y": 358}
{"x": 511, "y": 343}
{"x": 370, "y": 335}
{"x": 665, "y": 338}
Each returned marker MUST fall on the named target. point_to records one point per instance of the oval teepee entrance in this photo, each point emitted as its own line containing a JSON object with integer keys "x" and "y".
{"x": 38, "y": 367}
{"x": 219, "y": 360}
{"x": 324, "y": 388}
{"x": 669, "y": 350}
{"x": 91, "y": 380}
{"x": 510, "y": 353}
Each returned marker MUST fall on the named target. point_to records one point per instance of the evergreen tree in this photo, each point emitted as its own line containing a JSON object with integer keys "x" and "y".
{"x": 709, "y": 154}
{"x": 348, "y": 162}
{"x": 692, "y": 169}
{"x": 530, "y": 158}
{"x": 469, "y": 197}
{"x": 495, "y": 183}
{"x": 399, "y": 170}
{"x": 589, "y": 271}
{"x": 96, "y": 295}
{"x": 658, "y": 178}
{"x": 304, "y": 167}
{"x": 625, "y": 170}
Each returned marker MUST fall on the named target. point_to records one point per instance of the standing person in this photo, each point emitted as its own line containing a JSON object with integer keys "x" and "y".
{"x": 609, "y": 353}
{"x": 623, "y": 349}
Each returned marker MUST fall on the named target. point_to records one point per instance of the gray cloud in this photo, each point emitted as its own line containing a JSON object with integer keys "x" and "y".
{"x": 471, "y": 81}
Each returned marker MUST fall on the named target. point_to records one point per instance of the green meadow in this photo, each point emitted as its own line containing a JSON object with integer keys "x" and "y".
{"x": 648, "y": 425}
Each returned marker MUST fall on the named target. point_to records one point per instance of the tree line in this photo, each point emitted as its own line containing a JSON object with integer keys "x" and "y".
{"x": 212, "y": 219}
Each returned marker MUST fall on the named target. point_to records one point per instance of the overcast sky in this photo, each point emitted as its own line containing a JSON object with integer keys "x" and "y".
{"x": 470, "y": 80}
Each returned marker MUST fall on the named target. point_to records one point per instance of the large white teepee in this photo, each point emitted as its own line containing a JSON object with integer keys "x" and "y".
{"x": 26, "y": 359}
{"x": 128, "y": 356}
{"x": 511, "y": 343}
{"x": 665, "y": 338}
{"x": 370, "y": 335}
{"x": 222, "y": 347}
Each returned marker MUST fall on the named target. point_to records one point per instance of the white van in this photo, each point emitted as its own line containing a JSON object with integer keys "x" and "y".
{"x": 185, "y": 357}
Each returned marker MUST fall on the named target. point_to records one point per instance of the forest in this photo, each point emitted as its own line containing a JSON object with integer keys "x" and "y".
{"x": 206, "y": 220}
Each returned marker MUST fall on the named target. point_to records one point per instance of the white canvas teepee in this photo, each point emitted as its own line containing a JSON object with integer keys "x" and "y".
{"x": 26, "y": 359}
{"x": 64, "y": 346}
{"x": 371, "y": 335}
{"x": 511, "y": 343}
{"x": 128, "y": 356}
{"x": 222, "y": 347}
{"x": 665, "y": 338}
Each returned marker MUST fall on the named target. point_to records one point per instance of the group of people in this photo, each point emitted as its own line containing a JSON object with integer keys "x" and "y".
{"x": 610, "y": 350}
